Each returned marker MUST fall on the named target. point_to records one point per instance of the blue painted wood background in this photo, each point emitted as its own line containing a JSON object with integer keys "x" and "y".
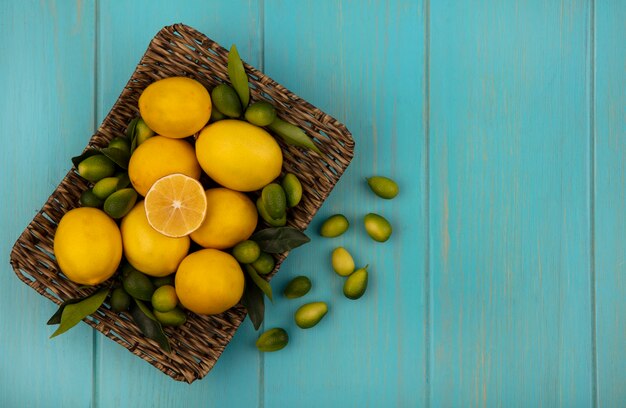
{"x": 504, "y": 122}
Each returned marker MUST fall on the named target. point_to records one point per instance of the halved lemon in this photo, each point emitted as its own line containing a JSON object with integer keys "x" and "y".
{"x": 176, "y": 205}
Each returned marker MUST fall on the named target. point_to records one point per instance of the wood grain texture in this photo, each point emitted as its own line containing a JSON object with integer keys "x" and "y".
{"x": 510, "y": 214}
{"x": 363, "y": 65}
{"x": 46, "y": 77}
{"x": 509, "y": 225}
{"x": 125, "y": 29}
{"x": 610, "y": 202}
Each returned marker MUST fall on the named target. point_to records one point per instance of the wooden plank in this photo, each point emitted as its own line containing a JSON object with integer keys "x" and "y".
{"x": 610, "y": 202}
{"x": 47, "y": 115}
{"x": 364, "y": 65}
{"x": 125, "y": 29}
{"x": 510, "y": 204}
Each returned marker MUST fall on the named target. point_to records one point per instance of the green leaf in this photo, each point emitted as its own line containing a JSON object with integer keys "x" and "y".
{"x": 279, "y": 239}
{"x": 117, "y": 156}
{"x": 254, "y": 302}
{"x": 149, "y": 325}
{"x": 146, "y": 310}
{"x": 75, "y": 312}
{"x": 87, "y": 153}
{"x": 130, "y": 130}
{"x": 123, "y": 181}
{"x": 131, "y": 134}
{"x": 293, "y": 135}
{"x": 133, "y": 145}
{"x": 259, "y": 281}
{"x": 56, "y": 317}
{"x": 238, "y": 77}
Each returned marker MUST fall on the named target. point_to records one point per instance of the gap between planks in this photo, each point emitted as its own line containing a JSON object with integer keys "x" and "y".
{"x": 591, "y": 55}
{"x": 428, "y": 349}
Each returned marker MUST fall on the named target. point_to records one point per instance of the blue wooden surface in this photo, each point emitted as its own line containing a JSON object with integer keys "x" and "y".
{"x": 503, "y": 122}
{"x": 509, "y": 205}
{"x": 370, "y": 352}
{"x": 609, "y": 127}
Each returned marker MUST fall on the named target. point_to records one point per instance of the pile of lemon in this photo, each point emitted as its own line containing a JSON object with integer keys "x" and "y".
{"x": 178, "y": 232}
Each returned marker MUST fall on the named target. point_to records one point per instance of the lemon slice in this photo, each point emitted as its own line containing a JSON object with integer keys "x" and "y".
{"x": 176, "y": 205}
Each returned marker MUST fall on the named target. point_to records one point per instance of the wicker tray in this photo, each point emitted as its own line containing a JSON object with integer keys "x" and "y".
{"x": 180, "y": 50}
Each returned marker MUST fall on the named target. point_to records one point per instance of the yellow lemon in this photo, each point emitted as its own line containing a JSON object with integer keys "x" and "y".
{"x": 238, "y": 155}
{"x": 158, "y": 157}
{"x": 230, "y": 218}
{"x": 148, "y": 250}
{"x": 175, "y": 205}
{"x": 87, "y": 246}
{"x": 175, "y": 107}
{"x": 209, "y": 281}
